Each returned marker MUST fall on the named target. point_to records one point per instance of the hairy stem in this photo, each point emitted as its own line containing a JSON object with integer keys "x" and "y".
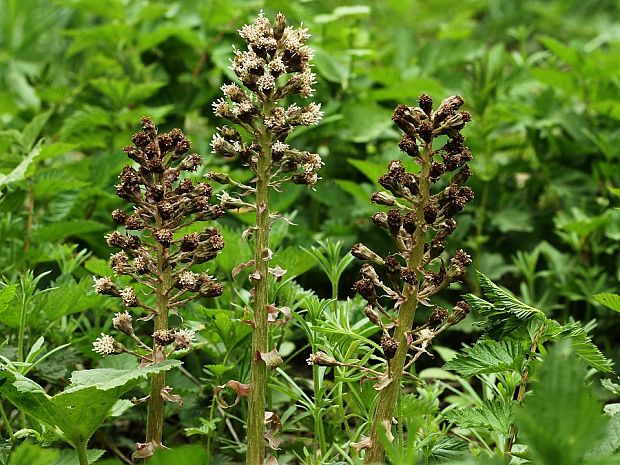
{"x": 388, "y": 395}
{"x": 155, "y": 414}
{"x": 260, "y": 334}
{"x": 82, "y": 452}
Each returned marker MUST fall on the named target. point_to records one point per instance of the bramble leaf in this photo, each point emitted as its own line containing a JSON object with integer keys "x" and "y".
{"x": 487, "y": 357}
{"x": 493, "y": 415}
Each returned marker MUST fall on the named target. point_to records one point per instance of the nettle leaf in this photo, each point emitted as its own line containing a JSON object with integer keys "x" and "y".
{"x": 609, "y": 299}
{"x": 487, "y": 357}
{"x": 561, "y": 421}
{"x": 581, "y": 343}
{"x": 492, "y": 415}
{"x": 503, "y": 312}
{"x": 448, "y": 447}
{"x": 84, "y": 404}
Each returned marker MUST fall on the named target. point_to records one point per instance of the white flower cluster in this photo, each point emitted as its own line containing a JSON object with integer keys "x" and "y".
{"x": 128, "y": 297}
{"x": 188, "y": 279}
{"x": 183, "y": 338}
{"x": 106, "y": 345}
{"x": 103, "y": 285}
{"x": 276, "y": 64}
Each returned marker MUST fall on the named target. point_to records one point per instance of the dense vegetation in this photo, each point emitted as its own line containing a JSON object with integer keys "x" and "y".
{"x": 521, "y": 379}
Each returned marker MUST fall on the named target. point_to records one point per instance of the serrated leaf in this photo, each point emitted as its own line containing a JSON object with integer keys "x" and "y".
{"x": 487, "y": 357}
{"x": 448, "y": 447}
{"x": 581, "y": 343}
{"x": 79, "y": 409}
{"x": 6, "y": 296}
{"x": 87, "y": 127}
{"x": 503, "y": 312}
{"x": 492, "y": 415}
{"x": 561, "y": 420}
{"x": 609, "y": 299}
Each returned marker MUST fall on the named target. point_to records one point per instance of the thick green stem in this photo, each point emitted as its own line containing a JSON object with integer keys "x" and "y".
{"x": 82, "y": 452}
{"x": 260, "y": 334}
{"x": 155, "y": 414}
{"x": 406, "y": 313}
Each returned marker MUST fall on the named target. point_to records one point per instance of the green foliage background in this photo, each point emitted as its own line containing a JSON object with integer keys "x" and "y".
{"x": 541, "y": 79}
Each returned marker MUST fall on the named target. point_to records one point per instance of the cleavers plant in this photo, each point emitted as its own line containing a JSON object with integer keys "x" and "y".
{"x": 159, "y": 261}
{"x": 273, "y": 71}
{"x": 419, "y": 222}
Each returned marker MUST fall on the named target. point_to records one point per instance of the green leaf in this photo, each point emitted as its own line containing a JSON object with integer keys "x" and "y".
{"x": 365, "y": 122}
{"x": 32, "y": 130}
{"x": 581, "y": 343}
{"x": 372, "y": 170}
{"x": 69, "y": 457}
{"x": 493, "y": 415}
{"x": 447, "y": 447}
{"x": 181, "y": 455}
{"x": 206, "y": 427}
{"x": 609, "y": 299}
{"x": 219, "y": 369}
{"x": 561, "y": 420}
{"x": 611, "y": 442}
{"x": 487, "y": 357}
{"x": 33, "y": 454}
{"x": 83, "y": 405}
{"x": 70, "y": 297}
{"x": 503, "y": 312}
{"x": 332, "y": 67}
{"x": 342, "y": 12}
{"x": 6, "y": 296}
{"x": 60, "y": 230}
{"x": 22, "y": 170}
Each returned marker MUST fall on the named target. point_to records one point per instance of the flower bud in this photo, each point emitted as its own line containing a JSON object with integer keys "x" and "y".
{"x": 123, "y": 323}
{"x": 383, "y": 198}
{"x": 362, "y": 252}
{"x": 389, "y": 345}
{"x": 323, "y": 360}
{"x": 439, "y": 314}
{"x": 459, "y": 312}
{"x": 163, "y": 337}
{"x": 366, "y": 289}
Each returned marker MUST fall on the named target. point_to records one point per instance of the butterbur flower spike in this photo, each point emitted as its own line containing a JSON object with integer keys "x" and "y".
{"x": 420, "y": 222}
{"x": 164, "y": 200}
{"x": 275, "y": 67}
